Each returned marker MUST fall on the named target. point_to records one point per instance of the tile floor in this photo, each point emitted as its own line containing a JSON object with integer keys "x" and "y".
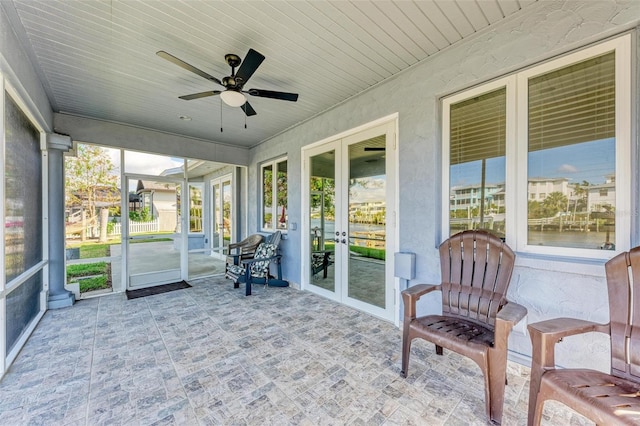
{"x": 208, "y": 355}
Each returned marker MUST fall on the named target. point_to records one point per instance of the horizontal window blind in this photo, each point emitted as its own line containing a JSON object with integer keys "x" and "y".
{"x": 478, "y": 128}
{"x": 573, "y": 104}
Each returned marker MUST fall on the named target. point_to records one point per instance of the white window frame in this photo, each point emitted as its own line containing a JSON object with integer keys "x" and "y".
{"x": 516, "y": 153}
{"x": 7, "y": 358}
{"x": 509, "y": 84}
{"x": 274, "y": 195}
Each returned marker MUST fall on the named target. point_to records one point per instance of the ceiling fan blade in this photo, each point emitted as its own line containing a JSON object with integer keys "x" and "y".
{"x": 249, "y": 65}
{"x": 273, "y": 95}
{"x": 248, "y": 109}
{"x": 199, "y": 95}
{"x": 179, "y": 62}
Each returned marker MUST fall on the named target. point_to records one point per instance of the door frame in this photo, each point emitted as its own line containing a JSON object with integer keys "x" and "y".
{"x": 391, "y": 171}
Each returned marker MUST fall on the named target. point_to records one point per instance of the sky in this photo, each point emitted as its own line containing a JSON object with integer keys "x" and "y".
{"x": 590, "y": 161}
{"x": 142, "y": 163}
{"x": 373, "y": 190}
{"x": 149, "y": 164}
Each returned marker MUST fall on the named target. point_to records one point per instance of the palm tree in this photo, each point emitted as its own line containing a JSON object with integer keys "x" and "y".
{"x": 581, "y": 190}
{"x": 554, "y": 203}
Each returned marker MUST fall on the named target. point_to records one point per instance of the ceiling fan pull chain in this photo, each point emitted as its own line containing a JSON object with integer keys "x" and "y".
{"x": 220, "y": 115}
{"x": 245, "y": 117}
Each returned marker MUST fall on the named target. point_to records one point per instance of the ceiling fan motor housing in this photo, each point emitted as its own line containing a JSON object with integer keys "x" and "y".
{"x": 231, "y": 82}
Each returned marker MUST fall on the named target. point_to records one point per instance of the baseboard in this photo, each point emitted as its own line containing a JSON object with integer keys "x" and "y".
{"x": 518, "y": 358}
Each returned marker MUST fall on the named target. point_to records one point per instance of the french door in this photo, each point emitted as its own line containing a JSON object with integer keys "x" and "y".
{"x": 222, "y": 214}
{"x": 350, "y": 207}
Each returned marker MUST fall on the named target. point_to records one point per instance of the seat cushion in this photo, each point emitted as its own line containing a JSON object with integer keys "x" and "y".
{"x": 236, "y": 270}
{"x": 260, "y": 268}
{"x": 601, "y": 397}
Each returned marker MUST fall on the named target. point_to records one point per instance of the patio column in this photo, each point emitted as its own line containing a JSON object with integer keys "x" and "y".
{"x": 59, "y": 297}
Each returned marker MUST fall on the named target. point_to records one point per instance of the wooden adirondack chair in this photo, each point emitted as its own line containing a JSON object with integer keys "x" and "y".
{"x": 476, "y": 317}
{"x": 237, "y": 252}
{"x": 606, "y": 398}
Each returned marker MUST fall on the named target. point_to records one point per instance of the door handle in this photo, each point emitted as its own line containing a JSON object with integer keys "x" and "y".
{"x": 337, "y": 240}
{"x": 344, "y": 241}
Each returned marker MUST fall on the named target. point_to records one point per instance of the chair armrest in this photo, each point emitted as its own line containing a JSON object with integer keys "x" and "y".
{"x": 511, "y": 313}
{"x": 557, "y": 328}
{"x": 419, "y": 290}
{"x": 545, "y": 334}
{"x": 411, "y": 295}
{"x": 228, "y": 250}
{"x": 508, "y": 316}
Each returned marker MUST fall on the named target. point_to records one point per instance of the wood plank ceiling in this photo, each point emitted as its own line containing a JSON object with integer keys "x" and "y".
{"x": 97, "y": 58}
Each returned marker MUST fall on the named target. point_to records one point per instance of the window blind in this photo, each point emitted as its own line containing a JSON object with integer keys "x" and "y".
{"x": 478, "y": 128}
{"x": 573, "y": 104}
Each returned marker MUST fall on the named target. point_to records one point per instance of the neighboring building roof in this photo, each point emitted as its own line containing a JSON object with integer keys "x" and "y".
{"x": 149, "y": 185}
{"x": 543, "y": 179}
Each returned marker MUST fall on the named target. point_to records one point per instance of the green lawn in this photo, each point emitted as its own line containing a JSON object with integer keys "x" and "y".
{"x": 87, "y": 269}
{"x": 369, "y": 252}
{"x": 94, "y": 283}
{"x": 87, "y": 251}
{"x": 98, "y": 273}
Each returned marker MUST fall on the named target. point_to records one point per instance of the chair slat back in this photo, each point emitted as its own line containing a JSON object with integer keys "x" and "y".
{"x": 623, "y": 283}
{"x": 476, "y": 269}
{"x": 250, "y": 244}
{"x": 274, "y": 238}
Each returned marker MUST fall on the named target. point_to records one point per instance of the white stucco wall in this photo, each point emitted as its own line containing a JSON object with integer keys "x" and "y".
{"x": 548, "y": 28}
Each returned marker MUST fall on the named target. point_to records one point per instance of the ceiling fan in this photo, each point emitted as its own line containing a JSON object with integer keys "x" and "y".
{"x": 234, "y": 93}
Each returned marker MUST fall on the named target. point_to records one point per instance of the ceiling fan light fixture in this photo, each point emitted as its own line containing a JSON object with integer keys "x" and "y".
{"x": 233, "y": 98}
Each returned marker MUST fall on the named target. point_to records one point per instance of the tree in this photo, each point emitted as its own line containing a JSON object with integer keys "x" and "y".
{"x": 581, "y": 191}
{"x": 281, "y": 184}
{"x": 534, "y": 209}
{"x": 281, "y": 197}
{"x": 91, "y": 180}
{"x": 328, "y": 188}
{"x": 554, "y": 203}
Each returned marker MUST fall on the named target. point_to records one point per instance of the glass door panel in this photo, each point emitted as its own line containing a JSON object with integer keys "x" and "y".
{"x": 367, "y": 221}
{"x": 322, "y": 219}
{"x": 154, "y": 246}
{"x": 222, "y": 214}
{"x": 226, "y": 212}
{"x": 216, "y": 216}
